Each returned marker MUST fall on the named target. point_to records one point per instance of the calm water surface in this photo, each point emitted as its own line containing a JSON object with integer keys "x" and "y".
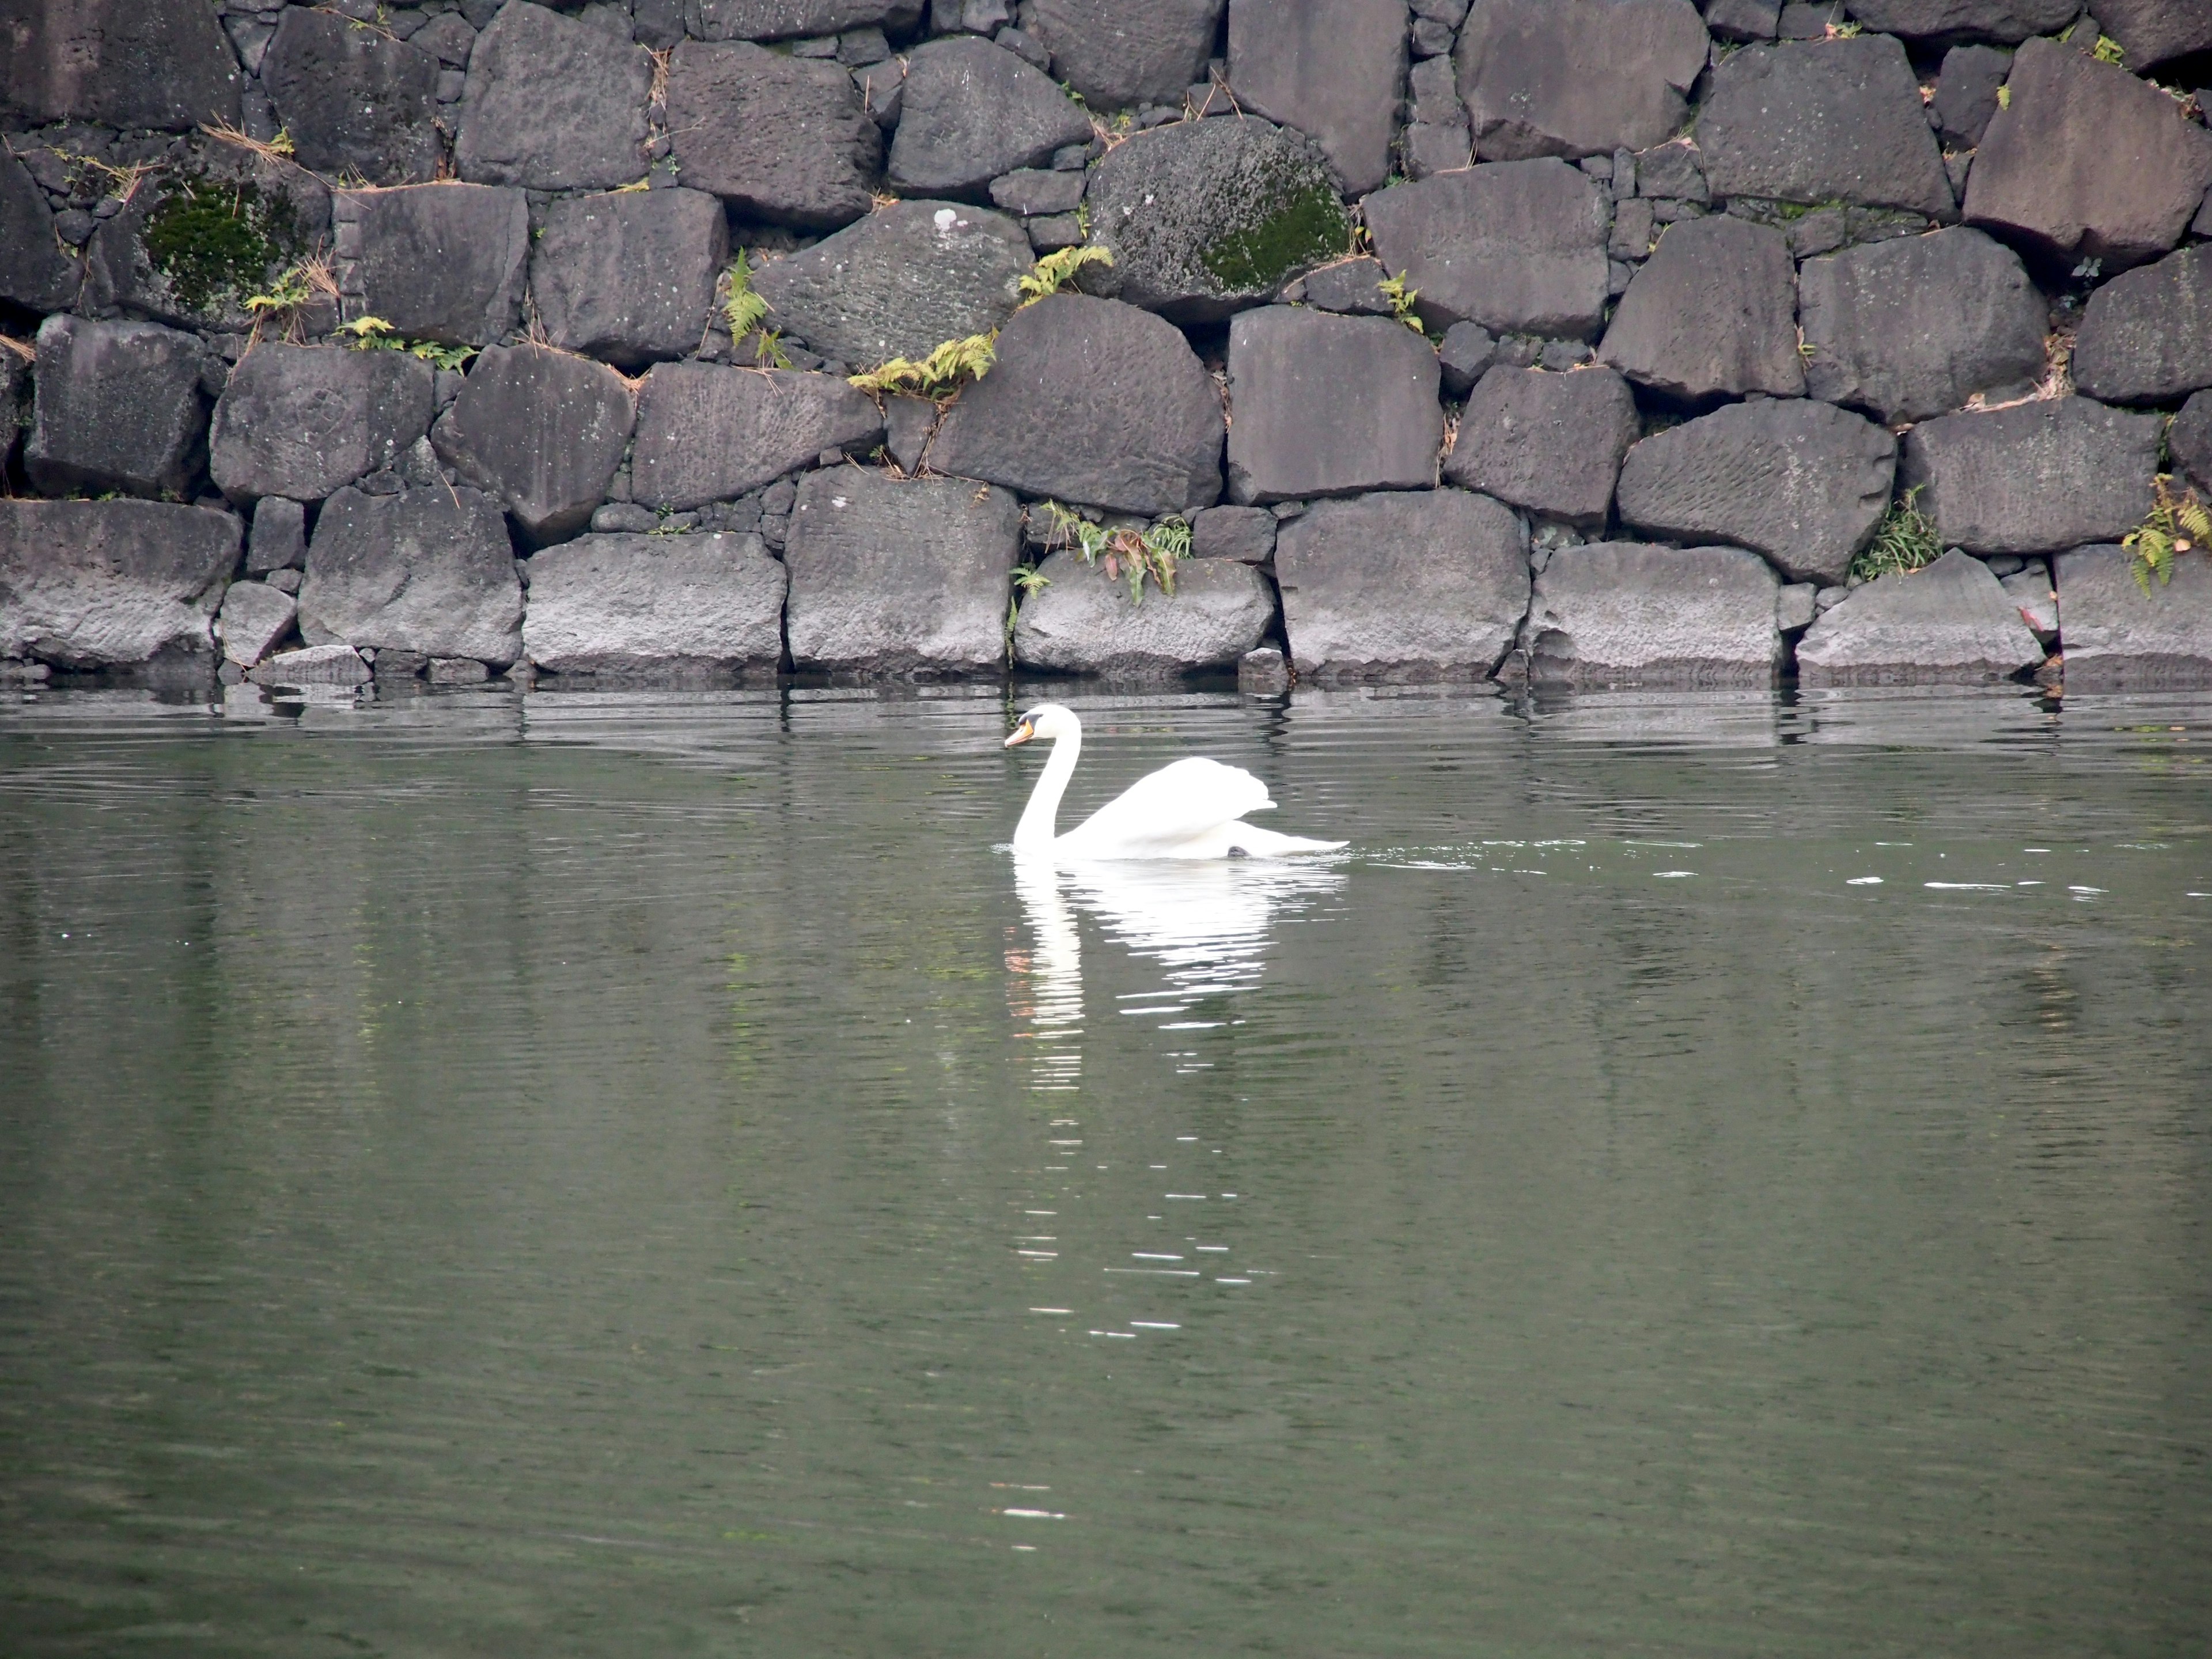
{"x": 630, "y": 1174}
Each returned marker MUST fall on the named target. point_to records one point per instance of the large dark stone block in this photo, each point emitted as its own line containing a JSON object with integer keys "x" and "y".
{"x": 355, "y": 99}
{"x": 900, "y": 281}
{"x": 786, "y": 20}
{"x": 1624, "y": 613}
{"x": 34, "y": 273}
{"x": 899, "y": 577}
{"x": 629, "y": 277}
{"x": 1967, "y": 93}
{"x": 304, "y": 422}
{"x": 1402, "y": 587}
{"x": 706, "y": 435}
{"x": 543, "y": 432}
{"x": 1517, "y": 247}
{"x": 1910, "y": 328}
{"x": 1094, "y": 402}
{"x": 1328, "y": 405}
{"x": 119, "y": 407}
{"x": 656, "y": 606}
{"x": 1823, "y": 120}
{"x": 1333, "y": 69}
{"x": 2035, "y": 478}
{"x": 972, "y": 111}
{"x": 783, "y": 138}
{"x": 1204, "y": 218}
{"x": 1551, "y": 443}
{"x": 2155, "y": 31}
{"x": 1119, "y": 54}
{"x": 1944, "y": 22}
{"x": 111, "y": 584}
{"x": 2188, "y": 442}
{"x": 1714, "y": 310}
{"x": 426, "y": 570}
{"x": 122, "y": 62}
{"x": 2086, "y": 162}
{"x": 446, "y": 263}
{"x": 1803, "y": 483}
{"x": 1949, "y": 624}
{"x": 1577, "y": 77}
{"x": 552, "y": 104}
{"x": 2146, "y": 336}
{"x": 1086, "y": 622}
{"x": 2120, "y": 638}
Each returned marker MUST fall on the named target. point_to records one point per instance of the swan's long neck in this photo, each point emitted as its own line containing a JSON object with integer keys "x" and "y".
{"x": 1034, "y": 834}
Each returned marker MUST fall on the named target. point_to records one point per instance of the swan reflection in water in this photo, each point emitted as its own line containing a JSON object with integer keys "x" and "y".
{"x": 1208, "y": 925}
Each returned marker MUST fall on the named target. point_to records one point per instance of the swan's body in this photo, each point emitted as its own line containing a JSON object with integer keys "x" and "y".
{"x": 1190, "y": 809}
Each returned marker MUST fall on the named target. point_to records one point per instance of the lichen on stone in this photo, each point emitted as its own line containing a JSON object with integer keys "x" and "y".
{"x": 210, "y": 239}
{"x": 1306, "y": 229}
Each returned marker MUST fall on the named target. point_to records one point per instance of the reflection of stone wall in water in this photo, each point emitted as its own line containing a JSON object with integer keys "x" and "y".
{"x": 1686, "y": 287}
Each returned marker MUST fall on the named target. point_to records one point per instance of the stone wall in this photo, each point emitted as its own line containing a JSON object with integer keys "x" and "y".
{"x": 1588, "y": 341}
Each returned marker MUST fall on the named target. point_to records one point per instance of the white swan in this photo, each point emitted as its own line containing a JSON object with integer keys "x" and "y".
{"x": 1187, "y": 811}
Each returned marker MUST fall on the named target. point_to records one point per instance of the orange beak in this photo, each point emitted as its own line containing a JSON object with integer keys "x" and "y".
{"x": 1021, "y": 734}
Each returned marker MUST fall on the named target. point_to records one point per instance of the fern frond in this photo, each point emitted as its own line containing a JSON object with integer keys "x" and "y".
{"x": 1054, "y": 271}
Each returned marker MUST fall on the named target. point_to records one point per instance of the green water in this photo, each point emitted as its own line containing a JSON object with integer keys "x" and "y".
{"x": 633, "y": 1175}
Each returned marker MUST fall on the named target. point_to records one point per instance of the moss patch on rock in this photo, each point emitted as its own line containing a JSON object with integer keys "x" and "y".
{"x": 1308, "y": 228}
{"x": 212, "y": 239}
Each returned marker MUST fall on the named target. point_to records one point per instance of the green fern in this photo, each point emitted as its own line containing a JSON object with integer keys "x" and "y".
{"x": 1401, "y": 299}
{"x": 743, "y": 309}
{"x": 2178, "y": 523}
{"x": 2107, "y": 50}
{"x": 369, "y": 334}
{"x": 944, "y": 371}
{"x": 1128, "y": 554}
{"x": 1055, "y": 269}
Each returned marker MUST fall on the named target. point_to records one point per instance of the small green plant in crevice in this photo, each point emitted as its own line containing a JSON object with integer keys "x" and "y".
{"x": 940, "y": 374}
{"x": 375, "y": 334}
{"x": 2178, "y": 523}
{"x": 2107, "y": 50}
{"x": 1055, "y": 271}
{"x": 1401, "y": 299}
{"x": 744, "y": 310}
{"x": 1128, "y": 554}
{"x": 2004, "y": 97}
{"x": 1904, "y": 540}
{"x": 212, "y": 239}
{"x": 1028, "y": 579}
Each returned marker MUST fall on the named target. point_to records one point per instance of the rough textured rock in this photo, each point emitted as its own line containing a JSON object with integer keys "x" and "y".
{"x": 111, "y": 584}
{"x": 1823, "y": 120}
{"x": 1911, "y": 328}
{"x": 315, "y": 664}
{"x": 1623, "y": 613}
{"x": 1151, "y": 415}
{"x": 1465, "y": 355}
{"x": 1517, "y": 247}
{"x": 1349, "y": 285}
{"x": 552, "y": 104}
{"x": 896, "y": 577}
{"x": 279, "y": 541}
{"x": 786, "y": 20}
{"x": 707, "y": 433}
{"x": 198, "y": 239}
{"x": 1952, "y": 623}
{"x": 2188, "y": 441}
{"x": 1577, "y": 77}
{"x": 426, "y": 570}
{"x": 541, "y": 431}
{"x": 1551, "y": 443}
{"x": 2145, "y": 336}
{"x": 118, "y": 406}
{"x": 658, "y": 605}
{"x": 899, "y": 281}
{"x": 1244, "y": 533}
{"x": 446, "y": 263}
{"x": 1967, "y": 93}
{"x": 2118, "y": 638}
{"x": 1119, "y": 54}
{"x": 1943, "y": 21}
{"x": 1038, "y": 191}
{"x": 254, "y": 618}
{"x": 1402, "y": 587}
{"x": 2086, "y": 162}
{"x": 629, "y": 277}
{"x": 1803, "y": 483}
{"x": 1204, "y": 218}
{"x": 304, "y": 422}
{"x": 783, "y": 138}
{"x": 34, "y": 273}
{"x": 15, "y": 404}
{"x": 2153, "y": 32}
{"x": 124, "y": 63}
{"x": 1329, "y": 406}
{"x": 2035, "y": 478}
{"x": 973, "y": 110}
{"x": 1714, "y": 310}
{"x": 1085, "y": 623}
{"x": 355, "y": 99}
{"x": 1333, "y": 69}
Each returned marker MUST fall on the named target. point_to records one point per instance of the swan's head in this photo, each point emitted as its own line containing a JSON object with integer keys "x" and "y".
{"x": 1047, "y": 720}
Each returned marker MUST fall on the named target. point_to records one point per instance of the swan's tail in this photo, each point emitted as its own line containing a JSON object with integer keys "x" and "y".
{"x": 1269, "y": 843}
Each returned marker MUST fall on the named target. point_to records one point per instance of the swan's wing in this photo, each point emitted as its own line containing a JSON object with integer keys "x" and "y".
{"x": 1174, "y": 805}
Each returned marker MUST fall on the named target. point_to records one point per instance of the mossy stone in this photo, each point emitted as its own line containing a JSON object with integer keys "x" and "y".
{"x": 213, "y": 241}
{"x": 1307, "y": 230}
